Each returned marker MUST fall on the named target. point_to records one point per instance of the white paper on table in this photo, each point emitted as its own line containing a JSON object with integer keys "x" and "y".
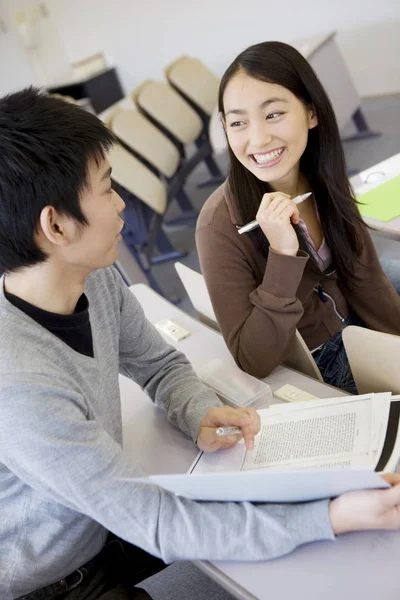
{"x": 270, "y": 486}
{"x": 344, "y": 432}
{"x": 222, "y": 475}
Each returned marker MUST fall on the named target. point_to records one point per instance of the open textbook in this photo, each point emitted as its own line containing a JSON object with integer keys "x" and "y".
{"x": 304, "y": 451}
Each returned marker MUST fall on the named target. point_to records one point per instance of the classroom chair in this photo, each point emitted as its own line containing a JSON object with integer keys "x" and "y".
{"x": 374, "y": 359}
{"x": 107, "y": 115}
{"x": 160, "y": 103}
{"x": 199, "y": 87}
{"x": 144, "y": 140}
{"x": 145, "y": 197}
{"x": 195, "y": 83}
{"x": 300, "y": 357}
{"x": 196, "y": 289}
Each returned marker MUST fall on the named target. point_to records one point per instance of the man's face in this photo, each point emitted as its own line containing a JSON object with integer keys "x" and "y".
{"x": 96, "y": 245}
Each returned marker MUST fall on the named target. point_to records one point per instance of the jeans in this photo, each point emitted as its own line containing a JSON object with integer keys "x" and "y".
{"x": 332, "y": 360}
{"x": 111, "y": 575}
{"x": 391, "y": 267}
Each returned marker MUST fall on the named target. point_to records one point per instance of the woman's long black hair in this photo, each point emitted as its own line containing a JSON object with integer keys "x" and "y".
{"x": 323, "y": 161}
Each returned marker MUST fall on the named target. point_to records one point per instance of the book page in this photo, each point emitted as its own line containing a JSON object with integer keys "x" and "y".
{"x": 320, "y": 435}
{"x": 337, "y": 433}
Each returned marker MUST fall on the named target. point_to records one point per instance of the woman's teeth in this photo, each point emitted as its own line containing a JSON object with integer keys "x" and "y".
{"x": 265, "y": 158}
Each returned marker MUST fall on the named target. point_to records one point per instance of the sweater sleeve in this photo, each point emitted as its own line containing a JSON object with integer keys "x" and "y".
{"x": 50, "y": 443}
{"x": 258, "y": 322}
{"x": 161, "y": 370}
{"x": 372, "y": 297}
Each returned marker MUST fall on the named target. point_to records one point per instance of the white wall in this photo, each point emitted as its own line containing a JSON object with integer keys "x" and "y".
{"x": 141, "y": 36}
{"x": 14, "y": 69}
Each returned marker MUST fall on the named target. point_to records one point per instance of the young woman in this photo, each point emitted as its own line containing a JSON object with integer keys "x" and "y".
{"x": 310, "y": 266}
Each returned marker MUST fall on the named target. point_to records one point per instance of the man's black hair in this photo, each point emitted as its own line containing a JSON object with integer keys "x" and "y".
{"x": 46, "y": 146}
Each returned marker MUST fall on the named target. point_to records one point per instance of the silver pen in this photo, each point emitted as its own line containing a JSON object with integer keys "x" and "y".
{"x": 228, "y": 431}
{"x": 253, "y": 224}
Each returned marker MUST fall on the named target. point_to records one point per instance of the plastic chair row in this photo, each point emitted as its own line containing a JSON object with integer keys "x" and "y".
{"x": 155, "y": 124}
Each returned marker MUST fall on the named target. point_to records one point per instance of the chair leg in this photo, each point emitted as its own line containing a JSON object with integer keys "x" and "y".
{"x": 142, "y": 233}
{"x": 142, "y": 260}
{"x": 214, "y": 181}
{"x": 189, "y": 216}
{"x": 183, "y": 201}
{"x": 158, "y": 238}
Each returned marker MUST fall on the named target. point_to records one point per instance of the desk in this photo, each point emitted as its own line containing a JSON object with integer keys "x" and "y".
{"x": 324, "y": 56}
{"x": 363, "y": 565}
{"x": 374, "y": 177}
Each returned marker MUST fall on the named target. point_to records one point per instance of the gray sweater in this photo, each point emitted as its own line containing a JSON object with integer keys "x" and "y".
{"x": 62, "y": 468}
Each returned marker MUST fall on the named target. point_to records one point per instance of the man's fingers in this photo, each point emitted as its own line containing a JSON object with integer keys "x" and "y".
{"x": 391, "y": 478}
{"x": 392, "y": 495}
{"x": 255, "y": 418}
{"x": 210, "y": 442}
{"x": 247, "y": 420}
{"x": 228, "y": 416}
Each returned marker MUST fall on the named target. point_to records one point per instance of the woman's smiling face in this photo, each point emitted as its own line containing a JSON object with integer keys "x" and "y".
{"x": 267, "y": 127}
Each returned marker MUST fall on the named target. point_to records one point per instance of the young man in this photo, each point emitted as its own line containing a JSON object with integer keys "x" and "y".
{"x": 68, "y": 326}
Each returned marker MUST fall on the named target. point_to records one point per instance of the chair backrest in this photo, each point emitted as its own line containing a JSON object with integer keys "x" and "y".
{"x": 196, "y": 289}
{"x": 195, "y": 81}
{"x": 374, "y": 359}
{"x": 159, "y": 100}
{"x": 137, "y": 179}
{"x": 300, "y": 357}
{"x": 108, "y": 115}
{"x": 132, "y": 128}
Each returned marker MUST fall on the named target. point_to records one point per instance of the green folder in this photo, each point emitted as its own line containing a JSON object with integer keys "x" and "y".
{"x": 383, "y": 202}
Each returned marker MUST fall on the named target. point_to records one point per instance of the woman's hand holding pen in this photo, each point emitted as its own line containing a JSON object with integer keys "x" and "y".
{"x": 275, "y": 215}
{"x": 246, "y": 419}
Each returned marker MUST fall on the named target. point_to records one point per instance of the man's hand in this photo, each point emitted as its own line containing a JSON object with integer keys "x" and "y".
{"x": 245, "y": 418}
{"x": 367, "y": 509}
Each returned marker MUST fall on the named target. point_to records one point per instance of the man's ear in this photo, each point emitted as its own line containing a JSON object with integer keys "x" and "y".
{"x": 56, "y": 228}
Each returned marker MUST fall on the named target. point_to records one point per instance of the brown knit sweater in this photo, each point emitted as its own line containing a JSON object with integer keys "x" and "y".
{"x": 260, "y": 302}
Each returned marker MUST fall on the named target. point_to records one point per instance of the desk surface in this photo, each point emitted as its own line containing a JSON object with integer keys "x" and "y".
{"x": 200, "y": 347}
{"x": 363, "y": 565}
{"x": 374, "y": 177}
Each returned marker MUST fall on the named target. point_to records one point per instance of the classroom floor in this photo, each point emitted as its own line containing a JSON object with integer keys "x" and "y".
{"x": 183, "y": 581}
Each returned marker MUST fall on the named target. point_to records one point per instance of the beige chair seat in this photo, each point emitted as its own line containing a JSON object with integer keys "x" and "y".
{"x": 191, "y": 77}
{"x": 166, "y": 106}
{"x": 374, "y": 359}
{"x": 107, "y": 115}
{"x": 137, "y": 179}
{"x": 132, "y": 128}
